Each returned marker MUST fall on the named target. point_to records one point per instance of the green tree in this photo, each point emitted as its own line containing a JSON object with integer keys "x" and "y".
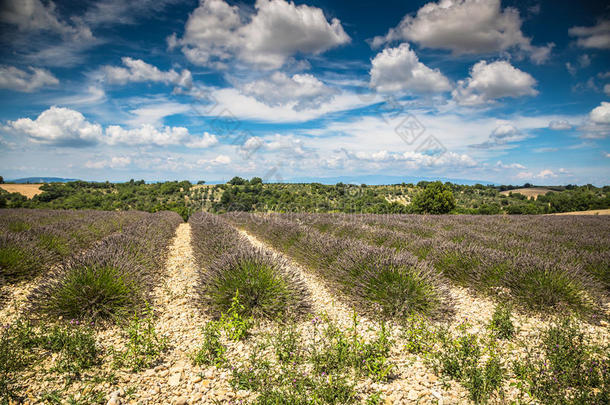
{"x": 1, "y": 180}
{"x": 436, "y": 198}
{"x": 237, "y": 181}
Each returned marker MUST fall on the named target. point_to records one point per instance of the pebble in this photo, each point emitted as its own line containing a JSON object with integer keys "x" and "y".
{"x": 181, "y": 401}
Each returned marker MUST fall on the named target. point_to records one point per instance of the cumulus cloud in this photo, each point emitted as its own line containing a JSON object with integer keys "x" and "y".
{"x": 597, "y": 125}
{"x": 59, "y": 126}
{"x": 275, "y": 32}
{"x": 560, "y": 125}
{"x": 137, "y": 70}
{"x": 607, "y": 89}
{"x": 501, "y": 136}
{"x": 399, "y": 69}
{"x": 300, "y": 91}
{"x": 601, "y": 114}
{"x": 25, "y": 81}
{"x": 65, "y": 127}
{"x": 466, "y": 27}
{"x": 597, "y": 36}
{"x": 150, "y": 135}
{"x": 491, "y": 81}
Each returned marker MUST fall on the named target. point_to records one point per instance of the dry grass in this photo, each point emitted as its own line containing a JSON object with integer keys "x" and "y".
{"x": 590, "y": 212}
{"x": 530, "y": 193}
{"x": 28, "y": 190}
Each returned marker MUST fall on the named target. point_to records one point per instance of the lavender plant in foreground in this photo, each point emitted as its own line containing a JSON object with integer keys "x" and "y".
{"x": 230, "y": 265}
{"x": 113, "y": 278}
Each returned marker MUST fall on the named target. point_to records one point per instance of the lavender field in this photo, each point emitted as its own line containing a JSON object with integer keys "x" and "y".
{"x": 133, "y": 307}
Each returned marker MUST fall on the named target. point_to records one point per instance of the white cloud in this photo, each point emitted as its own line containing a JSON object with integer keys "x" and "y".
{"x": 597, "y": 36}
{"x": 466, "y": 27}
{"x": 301, "y": 91}
{"x": 543, "y": 174}
{"x": 277, "y": 31}
{"x": 606, "y": 154}
{"x": 399, "y": 69}
{"x": 203, "y": 142}
{"x": 413, "y": 159}
{"x": 505, "y": 166}
{"x": 59, "y": 126}
{"x": 34, "y": 16}
{"x": 560, "y": 125}
{"x": 149, "y": 135}
{"x": 607, "y": 89}
{"x": 571, "y": 68}
{"x": 137, "y": 70}
{"x": 597, "y": 124}
{"x": 154, "y": 113}
{"x": 19, "y": 80}
{"x": 114, "y": 163}
{"x": 65, "y": 127}
{"x": 501, "y": 136}
{"x": 491, "y": 81}
{"x": 601, "y": 114}
{"x": 232, "y": 103}
{"x": 218, "y": 160}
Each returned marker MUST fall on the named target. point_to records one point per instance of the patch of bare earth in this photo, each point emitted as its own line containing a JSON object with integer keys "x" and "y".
{"x": 530, "y": 193}
{"x": 590, "y": 212}
{"x": 28, "y": 190}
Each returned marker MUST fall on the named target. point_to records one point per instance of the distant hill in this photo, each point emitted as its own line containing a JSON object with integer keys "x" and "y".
{"x": 35, "y": 180}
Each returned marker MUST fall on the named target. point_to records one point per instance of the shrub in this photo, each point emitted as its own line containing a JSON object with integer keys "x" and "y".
{"x": 96, "y": 290}
{"x": 501, "y": 324}
{"x": 76, "y": 345}
{"x": 236, "y": 326}
{"x": 212, "y": 351}
{"x": 568, "y": 369}
{"x": 19, "y": 257}
{"x": 419, "y": 337}
{"x": 144, "y": 347}
{"x": 462, "y": 359}
{"x": 539, "y": 284}
{"x": 267, "y": 287}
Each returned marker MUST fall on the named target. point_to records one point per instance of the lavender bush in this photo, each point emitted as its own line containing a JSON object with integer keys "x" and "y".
{"x": 230, "y": 265}
{"x": 113, "y": 278}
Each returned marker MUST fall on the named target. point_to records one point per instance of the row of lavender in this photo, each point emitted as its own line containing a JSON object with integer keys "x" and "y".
{"x": 377, "y": 280}
{"x": 230, "y": 265}
{"x": 34, "y": 240}
{"x": 113, "y": 278}
{"x": 540, "y": 262}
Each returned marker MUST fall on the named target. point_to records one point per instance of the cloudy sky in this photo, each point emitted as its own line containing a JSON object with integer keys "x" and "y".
{"x": 501, "y": 91}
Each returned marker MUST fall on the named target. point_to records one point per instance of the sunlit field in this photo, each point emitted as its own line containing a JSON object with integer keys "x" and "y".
{"x": 133, "y": 307}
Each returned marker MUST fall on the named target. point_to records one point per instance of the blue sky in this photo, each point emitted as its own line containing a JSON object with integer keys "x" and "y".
{"x": 500, "y": 91}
